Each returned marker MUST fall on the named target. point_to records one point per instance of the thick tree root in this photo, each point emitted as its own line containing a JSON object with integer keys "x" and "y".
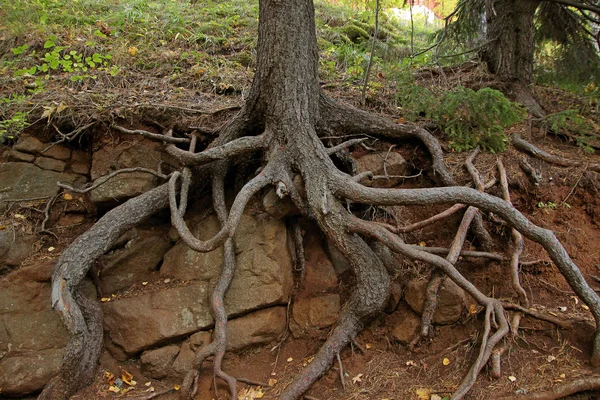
{"x": 526, "y": 147}
{"x": 81, "y": 316}
{"x": 562, "y": 390}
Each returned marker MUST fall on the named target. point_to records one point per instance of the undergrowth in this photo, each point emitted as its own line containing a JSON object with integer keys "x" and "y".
{"x": 469, "y": 118}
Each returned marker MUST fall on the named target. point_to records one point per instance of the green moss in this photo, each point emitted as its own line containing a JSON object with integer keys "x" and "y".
{"x": 355, "y": 33}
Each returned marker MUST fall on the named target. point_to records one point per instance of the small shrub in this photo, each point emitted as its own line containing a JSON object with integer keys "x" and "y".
{"x": 571, "y": 123}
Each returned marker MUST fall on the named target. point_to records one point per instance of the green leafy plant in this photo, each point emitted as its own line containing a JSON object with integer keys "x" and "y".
{"x": 479, "y": 118}
{"x": 11, "y": 128}
{"x": 469, "y": 118}
{"x": 572, "y": 124}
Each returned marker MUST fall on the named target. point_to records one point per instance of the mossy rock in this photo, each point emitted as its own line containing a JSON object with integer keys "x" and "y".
{"x": 355, "y": 33}
{"x": 336, "y": 37}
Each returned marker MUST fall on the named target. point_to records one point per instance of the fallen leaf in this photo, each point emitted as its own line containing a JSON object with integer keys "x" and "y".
{"x": 133, "y": 51}
{"x": 562, "y": 309}
{"x": 251, "y": 394}
{"x": 150, "y": 389}
{"x": 110, "y": 377}
{"x": 105, "y": 299}
{"x": 473, "y": 309}
{"x": 563, "y": 376}
{"x": 67, "y": 196}
{"x": 144, "y": 283}
{"x": 148, "y": 383}
{"x": 357, "y": 379}
{"x": 550, "y": 358}
{"x": 422, "y": 244}
{"x": 272, "y": 382}
{"x": 585, "y": 307}
{"x": 575, "y": 299}
{"x": 114, "y": 389}
{"x": 423, "y": 394}
{"x": 411, "y": 363}
{"x": 176, "y": 387}
{"x": 127, "y": 378}
{"x": 446, "y": 361}
{"x": 290, "y": 359}
{"x": 19, "y": 216}
{"x": 51, "y": 248}
{"x": 368, "y": 346}
{"x": 512, "y": 378}
{"x": 435, "y": 397}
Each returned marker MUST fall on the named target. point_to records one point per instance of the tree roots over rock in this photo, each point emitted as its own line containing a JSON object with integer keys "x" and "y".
{"x": 281, "y": 123}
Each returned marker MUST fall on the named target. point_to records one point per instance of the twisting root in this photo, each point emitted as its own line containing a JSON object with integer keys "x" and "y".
{"x": 517, "y": 249}
{"x": 437, "y": 278}
{"x": 493, "y": 307}
{"x": 344, "y": 186}
{"x": 81, "y": 316}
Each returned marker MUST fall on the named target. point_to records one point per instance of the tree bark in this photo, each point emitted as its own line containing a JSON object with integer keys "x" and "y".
{"x": 510, "y": 30}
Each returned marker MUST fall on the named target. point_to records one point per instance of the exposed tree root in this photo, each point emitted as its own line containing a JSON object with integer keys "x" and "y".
{"x": 562, "y": 390}
{"x": 526, "y": 147}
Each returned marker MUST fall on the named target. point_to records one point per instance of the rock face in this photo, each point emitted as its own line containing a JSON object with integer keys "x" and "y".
{"x": 451, "y": 300}
{"x": 382, "y": 163}
{"x": 112, "y": 157}
{"x": 133, "y": 263}
{"x": 32, "y": 336}
{"x": 24, "y": 180}
{"x": 320, "y": 274}
{"x": 253, "y": 329}
{"x": 263, "y": 278}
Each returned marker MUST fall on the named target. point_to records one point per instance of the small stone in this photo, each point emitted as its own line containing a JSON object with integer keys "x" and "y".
{"x": 15, "y": 155}
{"x": 157, "y": 363}
{"x": 382, "y": 163}
{"x": 80, "y": 168}
{"x": 405, "y": 325}
{"x": 451, "y": 300}
{"x": 50, "y": 164}
{"x": 29, "y": 144}
{"x": 185, "y": 360}
{"x": 58, "y": 152}
{"x": 314, "y": 313}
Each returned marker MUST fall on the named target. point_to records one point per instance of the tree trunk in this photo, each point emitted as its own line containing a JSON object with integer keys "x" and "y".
{"x": 510, "y": 27}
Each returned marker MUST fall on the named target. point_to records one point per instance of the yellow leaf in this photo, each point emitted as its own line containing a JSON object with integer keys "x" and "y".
{"x": 61, "y": 107}
{"x": 512, "y": 378}
{"x": 368, "y": 346}
{"x": 67, "y": 196}
{"x": 176, "y": 387}
{"x": 114, "y": 389}
{"x": 127, "y": 378}
{"x": 251, "y": 394}
{"x": 422, "y": 244}
{"x": 473, "y": 308}
{"x": 133, "y": 51}
{"x": 20, "y": 216}
{"x": 446, "y": 361}
{"x": 148, "y": 383}
{"x": 105, "y": 299}
{"x": 272, "y": 382}
{"x": 423, "y": 394}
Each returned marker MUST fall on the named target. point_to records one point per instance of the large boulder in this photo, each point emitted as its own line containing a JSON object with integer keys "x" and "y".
{"x": 452, "y": 300}
{"x": 24, "y": 180}
{"x": 263, "y": 278}
{"x": 140, "y": 152}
